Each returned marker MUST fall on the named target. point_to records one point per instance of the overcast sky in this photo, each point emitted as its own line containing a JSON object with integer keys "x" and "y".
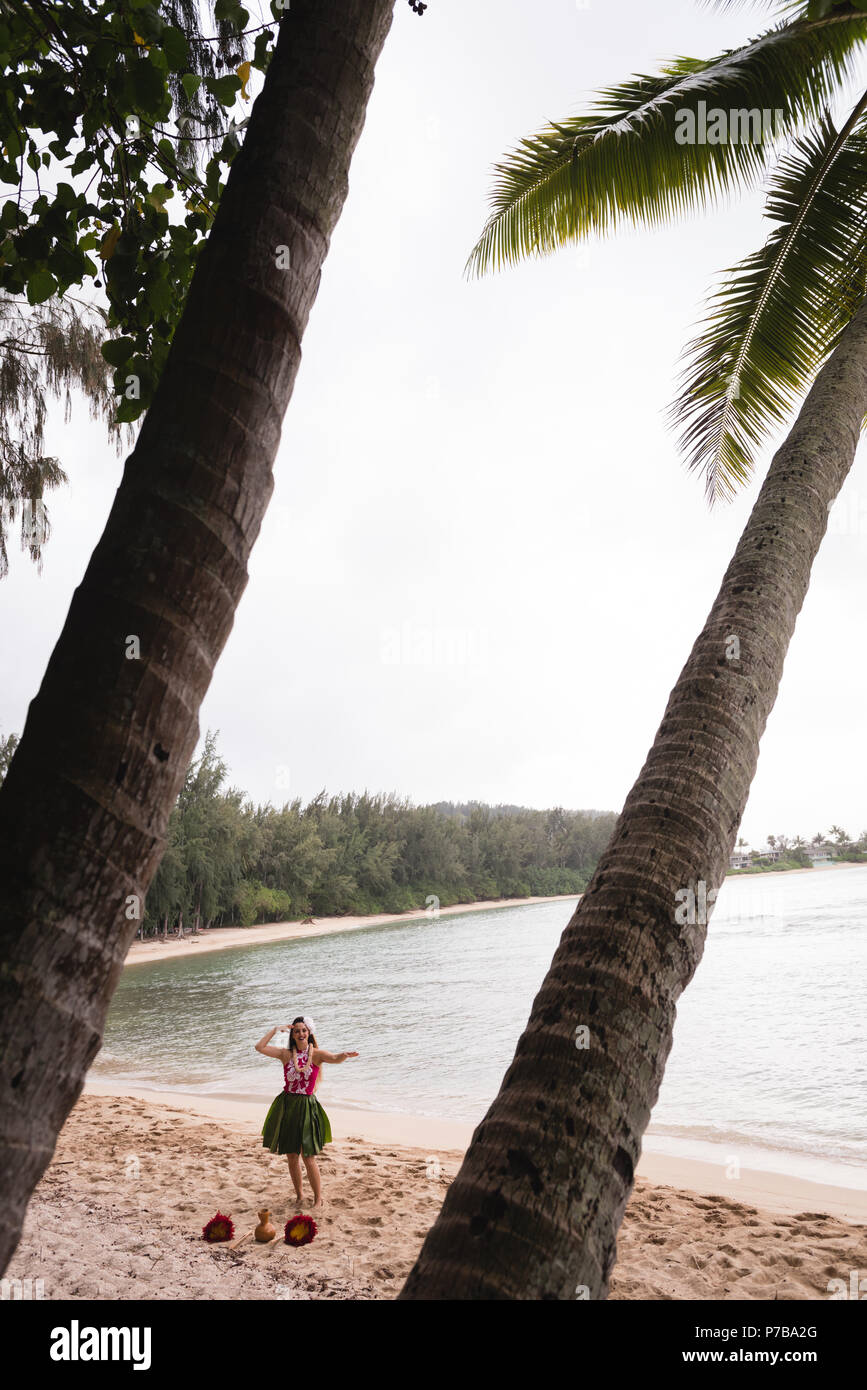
{"x": 485, "y": 563}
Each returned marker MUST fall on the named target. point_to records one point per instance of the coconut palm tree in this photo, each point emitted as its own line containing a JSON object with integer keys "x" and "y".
{"x": 109, "y": 736}
{"x": 535, "y": 1208}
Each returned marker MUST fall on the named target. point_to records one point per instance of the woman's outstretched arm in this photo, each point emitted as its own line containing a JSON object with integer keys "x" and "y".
{"x": 262, "y": 1046}
{"x": 320, "y": 1055}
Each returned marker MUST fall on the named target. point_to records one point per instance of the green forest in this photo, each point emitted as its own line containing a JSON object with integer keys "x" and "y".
{"x": 231, "y": 863}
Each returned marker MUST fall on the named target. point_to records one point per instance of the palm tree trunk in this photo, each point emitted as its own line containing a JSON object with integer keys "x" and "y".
{"x": 85, "y": 805}
{"x": 535, "y": 1208}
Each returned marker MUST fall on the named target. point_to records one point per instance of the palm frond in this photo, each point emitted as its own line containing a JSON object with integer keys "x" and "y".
{"x": 808, "y": 9}
{"x": 624, "y": 159}
{"x": 781, "y": 6}
{"x": 782, "y": 309}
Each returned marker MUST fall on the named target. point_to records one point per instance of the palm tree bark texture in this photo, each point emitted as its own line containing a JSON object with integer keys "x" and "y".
{"x": 108, "y": 738}
{"x": 534, "y": 1210}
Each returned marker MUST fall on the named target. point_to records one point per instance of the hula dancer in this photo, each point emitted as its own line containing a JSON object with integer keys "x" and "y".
{"x": 296, "y": 1125}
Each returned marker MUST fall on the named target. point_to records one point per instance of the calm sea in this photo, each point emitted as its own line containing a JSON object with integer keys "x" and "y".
{"x": 770, "y": 1047}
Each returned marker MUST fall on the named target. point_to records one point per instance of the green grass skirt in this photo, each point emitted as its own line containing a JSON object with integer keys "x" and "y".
{"x": 296, "y": 1125}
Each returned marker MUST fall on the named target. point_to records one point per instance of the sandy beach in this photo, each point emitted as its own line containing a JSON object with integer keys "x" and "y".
{"x": 120, "y": 1210}
{"x": 137, "y": 1173}
{"x": 224, "y": 938}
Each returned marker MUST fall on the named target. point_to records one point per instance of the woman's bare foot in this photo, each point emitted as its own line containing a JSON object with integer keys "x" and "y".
{"x": 319, "y": 1206}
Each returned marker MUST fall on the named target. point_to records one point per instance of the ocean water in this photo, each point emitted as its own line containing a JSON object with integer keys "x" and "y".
{"x": 770, "y": 1045}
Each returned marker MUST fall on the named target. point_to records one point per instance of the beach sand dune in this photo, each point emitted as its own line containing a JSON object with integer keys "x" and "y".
{"x": 119, "y": 1215}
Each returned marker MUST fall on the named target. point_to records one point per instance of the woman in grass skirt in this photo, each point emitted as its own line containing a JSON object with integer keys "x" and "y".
{"x": 296, "y": 1124}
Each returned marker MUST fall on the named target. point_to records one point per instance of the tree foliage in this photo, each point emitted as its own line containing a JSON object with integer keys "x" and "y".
{"x": 101, "y": 116}
{"x": 7, "y": 748}
{"x": 45, "y": 350}
{"x": 231, "y": 862}
{"x": 781, "y": 311}
{"x": 114, "y": 136}
{"x": 114, "y": 142}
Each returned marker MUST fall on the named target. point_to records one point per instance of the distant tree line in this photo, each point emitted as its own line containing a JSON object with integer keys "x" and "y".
{"x": 230, "y": 863}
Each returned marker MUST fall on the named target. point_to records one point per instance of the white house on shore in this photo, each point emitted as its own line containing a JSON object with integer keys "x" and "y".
{"x": 823, "y": 854}
{"x": 820, "y": 855}
{"x": 739, "y": 859}
{"x": 743, "y": 858}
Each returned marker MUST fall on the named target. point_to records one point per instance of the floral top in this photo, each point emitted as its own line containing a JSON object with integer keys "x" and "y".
{"x": 300, "y": 1080}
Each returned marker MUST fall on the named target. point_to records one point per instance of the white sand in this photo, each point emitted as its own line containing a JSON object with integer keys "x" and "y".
{"x": 224, "y": 938}
{"x": 777, "y": 1191}
{"x": 119, "y": 1213}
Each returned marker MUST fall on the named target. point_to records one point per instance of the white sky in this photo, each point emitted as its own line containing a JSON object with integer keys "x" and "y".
{"x": 480, "y": 473}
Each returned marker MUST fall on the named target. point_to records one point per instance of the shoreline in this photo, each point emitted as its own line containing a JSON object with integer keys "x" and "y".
{"x": 773, "y": 1190}
{"x": 805, "y": 869}
{"x": 226, "y": 938}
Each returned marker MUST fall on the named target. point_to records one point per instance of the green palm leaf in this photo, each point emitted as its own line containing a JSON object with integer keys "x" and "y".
{"x": 781, "y": 6}
{"x": 782, "y": 309}
{"x": 808, "y": 9}
{"x": 623, "y": 159}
